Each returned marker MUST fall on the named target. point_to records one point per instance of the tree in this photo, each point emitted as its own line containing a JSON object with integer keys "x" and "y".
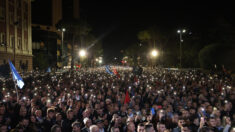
{"x": 41, "y": 60}
{"x": 153, "y": 37}
{"x": 76, "y": 30}
{"x": 217, "y": 54}
{"x": 93, "y": 47}
{"x": 145, "y": 37}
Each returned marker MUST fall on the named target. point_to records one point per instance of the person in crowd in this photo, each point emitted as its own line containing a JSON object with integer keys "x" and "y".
{"x": 149, "y": 128}
{"x": 67, "y": 123}
{"x": 100, "y": 124}
{"x": 115, "y": 129}
{"x": 87, "y": 122}
{"x": 161, "y": 127}
{"x": 181, "y": 122}
{"x": 156, "y": 100}
{"x": 130, "y": 126}
{"x": 56, "y": 128}
{"x": 49, "y": 120}
{"x": 76, "y": 126}
{"x": 140, "y": 127}
{"x": 3, "y": 128}
{"x": 94, "y": 128}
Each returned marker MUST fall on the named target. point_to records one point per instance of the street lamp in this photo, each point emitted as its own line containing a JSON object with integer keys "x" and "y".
{"x": 62, "y": 42}
{"x": 154, "y": 53}
{"x": 82, "y": 53}
{"x": 180, "y": 32}
{"x": 100, "y": 61}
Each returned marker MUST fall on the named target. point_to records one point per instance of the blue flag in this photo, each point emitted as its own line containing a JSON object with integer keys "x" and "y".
{"x": 153, "y": 111}
{"x": 107, "y": 68}
{"x": 16, "y": 76}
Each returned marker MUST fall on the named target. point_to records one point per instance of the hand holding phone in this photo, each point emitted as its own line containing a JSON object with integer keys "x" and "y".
{"x": 202, "y": 122}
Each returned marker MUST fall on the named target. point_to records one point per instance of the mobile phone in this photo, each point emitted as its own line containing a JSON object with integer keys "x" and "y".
{"x": 202, "y": 109}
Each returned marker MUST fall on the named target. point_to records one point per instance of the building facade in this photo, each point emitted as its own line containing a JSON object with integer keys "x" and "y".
{"x": 16, "y": 34}
{"x": 47, "y": 40}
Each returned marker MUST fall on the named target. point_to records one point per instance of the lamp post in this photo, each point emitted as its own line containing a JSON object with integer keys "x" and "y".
{"x": 62, "y": 30}
{"x": 82, "y": 53}
{"x": 154, "y": 53}
{"x": 62, "y": 45}
{"x": 180, "y": 32}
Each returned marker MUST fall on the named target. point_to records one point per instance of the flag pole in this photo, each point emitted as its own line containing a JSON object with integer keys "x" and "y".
{"x": 17, "y": 95}
{"x": 18, "y": 81}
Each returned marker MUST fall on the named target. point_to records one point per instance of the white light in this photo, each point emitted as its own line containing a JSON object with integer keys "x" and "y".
{"x": 178, "y": 31}
{"x": 100, "y": 61}
{"x": 154, "y": 53}
{"x": 82, "y": 53}
{"x": 48, "y": 101}
{"x": 184, "y": 30}
{"x": 63, "y": 29}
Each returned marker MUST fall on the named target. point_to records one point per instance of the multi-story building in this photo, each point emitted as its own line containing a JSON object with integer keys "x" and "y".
{"x": 47, "y": 39}
{"x": 15, "y": 33}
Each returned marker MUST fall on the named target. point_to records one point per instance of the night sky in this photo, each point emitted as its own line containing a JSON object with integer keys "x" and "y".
{"x": 126, "y": 19}
{"x": 122, "y": 20}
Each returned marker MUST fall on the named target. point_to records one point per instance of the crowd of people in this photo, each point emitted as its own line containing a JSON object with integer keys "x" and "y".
{"x": 92, "y": 100}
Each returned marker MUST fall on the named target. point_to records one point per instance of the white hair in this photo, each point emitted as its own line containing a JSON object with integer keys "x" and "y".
{"x": 93, "y": 128}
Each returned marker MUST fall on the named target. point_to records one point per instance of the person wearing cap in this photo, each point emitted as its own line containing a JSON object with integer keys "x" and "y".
{"x": 76, "y": 126}
{"x": 49, "y": 120}
{"x": 87, "y": 123}
{"x": 66, "y": 123}
{"x": 108, "y": 101}
{"x": 55, "y": 128}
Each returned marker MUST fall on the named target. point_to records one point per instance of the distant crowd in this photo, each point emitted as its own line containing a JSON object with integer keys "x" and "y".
{"x": 92, "y": 100}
